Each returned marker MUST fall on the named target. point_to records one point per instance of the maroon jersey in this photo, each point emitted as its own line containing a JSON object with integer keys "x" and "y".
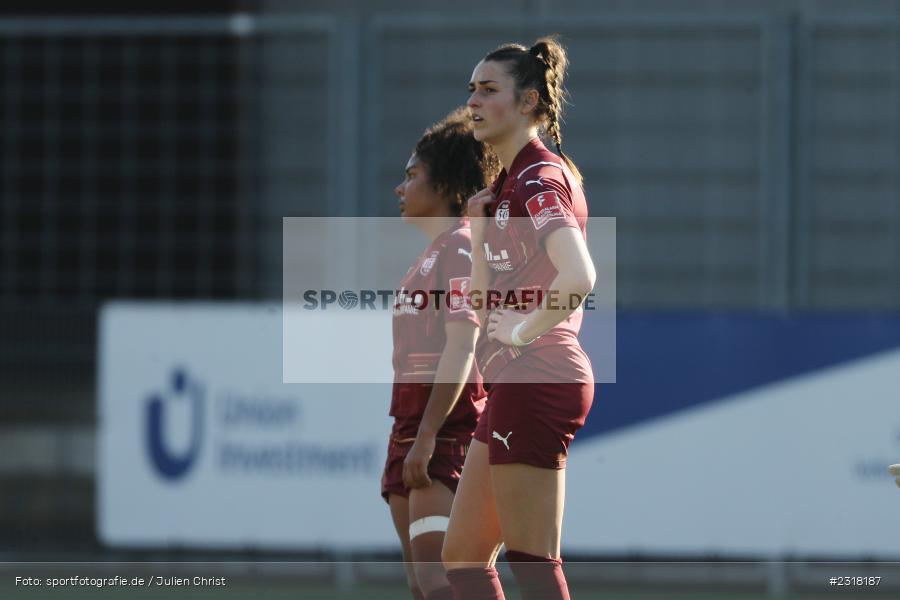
{"x": 431, "y": 294}
{"x": 536, "y": 197}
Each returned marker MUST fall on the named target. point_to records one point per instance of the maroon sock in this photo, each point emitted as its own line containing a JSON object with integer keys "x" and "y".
{"x": 539, "y": 578}
{"x": 444, "y": 593}
{"x": 417, "y": 594}
{"x": 475, "y": 584}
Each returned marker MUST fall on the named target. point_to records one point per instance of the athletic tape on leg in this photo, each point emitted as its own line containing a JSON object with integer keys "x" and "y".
{"x": 428, "y": 525}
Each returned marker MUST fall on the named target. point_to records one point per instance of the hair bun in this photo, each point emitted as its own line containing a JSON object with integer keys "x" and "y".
{"x": 539, "y": 50}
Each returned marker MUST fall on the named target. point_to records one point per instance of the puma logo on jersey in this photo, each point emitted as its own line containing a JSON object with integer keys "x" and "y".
{"x": 465, "y": 252}
{"x": 538, "y": 181}
{"x": 505, "y": 441}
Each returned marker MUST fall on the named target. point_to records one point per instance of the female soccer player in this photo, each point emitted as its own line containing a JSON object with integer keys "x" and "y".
{"x": 437, "y": 394}
{"x": 540, "y": 383}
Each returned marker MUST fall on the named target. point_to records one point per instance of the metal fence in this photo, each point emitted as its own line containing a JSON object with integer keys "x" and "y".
{"x": 705, "y": 137}
{"x": 847, "y": 202}
{"x": 751, "y": 161}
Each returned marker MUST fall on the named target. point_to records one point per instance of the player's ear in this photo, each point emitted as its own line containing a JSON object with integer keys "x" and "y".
{"x": 530, "y": 101}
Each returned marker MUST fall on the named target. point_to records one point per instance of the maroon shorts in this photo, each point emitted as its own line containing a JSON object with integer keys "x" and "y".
{"x": 533, "y": 423}
{"x": 445, "y": 466}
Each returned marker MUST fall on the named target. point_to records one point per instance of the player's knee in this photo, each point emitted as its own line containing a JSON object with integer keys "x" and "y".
{"x": 462, "y": 553}
{"x": 426, "y": 536}
{"x": 450, "y": 554}
{"x": 455, "y": 556}
{"x": 430, "y": 576}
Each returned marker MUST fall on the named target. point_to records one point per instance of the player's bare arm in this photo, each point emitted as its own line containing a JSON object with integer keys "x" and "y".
{"x": 452, "y": 373}
{"x": 575, "y": 278}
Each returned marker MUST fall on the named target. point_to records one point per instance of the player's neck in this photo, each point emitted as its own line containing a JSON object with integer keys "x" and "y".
{"x": 508, "y": 148}
{"x": 435, "y": 226}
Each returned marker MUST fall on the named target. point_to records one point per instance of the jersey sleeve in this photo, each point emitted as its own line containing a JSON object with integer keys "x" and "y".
{"x": 546, "y": 203}
{"x": 455, "y": 278}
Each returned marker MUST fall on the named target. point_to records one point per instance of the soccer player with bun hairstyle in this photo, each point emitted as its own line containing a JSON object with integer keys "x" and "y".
{"x": 530, "y": 224}
{"x": 437, "y": 394}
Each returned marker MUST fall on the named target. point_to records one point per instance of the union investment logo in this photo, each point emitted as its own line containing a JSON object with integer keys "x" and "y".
{"x": 182, "y": 388}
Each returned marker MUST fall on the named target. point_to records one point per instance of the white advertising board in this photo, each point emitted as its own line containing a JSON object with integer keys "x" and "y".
{"x": 201, "y": 444}
{"x": 793, "y": 468}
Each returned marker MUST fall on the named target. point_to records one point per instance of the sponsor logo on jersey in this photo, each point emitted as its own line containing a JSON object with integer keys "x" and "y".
{"x": 498, "y": 262}
{"x": 459, "y": 294}
{"x": 407, "y": 303}
{"x": 465, "y": 253}
{"x": 538, "y": 181}
{"x": 543, "y": 208}
{"x": 502, "y": 216}
{"x": 428, "y": 263}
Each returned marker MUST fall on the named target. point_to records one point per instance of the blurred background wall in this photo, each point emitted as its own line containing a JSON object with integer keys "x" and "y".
{"x": 748, "y": 149}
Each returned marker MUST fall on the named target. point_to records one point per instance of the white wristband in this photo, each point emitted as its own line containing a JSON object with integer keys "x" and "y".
{"x": 514, "y": 336}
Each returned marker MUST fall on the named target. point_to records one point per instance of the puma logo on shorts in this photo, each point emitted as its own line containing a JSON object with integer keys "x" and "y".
{"x": 497, "y": 436}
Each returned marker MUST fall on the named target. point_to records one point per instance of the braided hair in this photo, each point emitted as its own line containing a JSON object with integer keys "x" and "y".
{"x": 543, "y": 68}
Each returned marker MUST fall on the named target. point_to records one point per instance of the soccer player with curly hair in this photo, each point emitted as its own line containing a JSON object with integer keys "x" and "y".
{"x": 437, "y": 394}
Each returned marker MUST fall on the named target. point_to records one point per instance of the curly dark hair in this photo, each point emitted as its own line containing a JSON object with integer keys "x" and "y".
{"x": 458, "y": 164}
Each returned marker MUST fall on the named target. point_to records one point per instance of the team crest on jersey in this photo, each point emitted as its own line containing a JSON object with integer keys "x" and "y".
{"x": 428, "y": 263}
{"x": 543, "y": 208}
{"x": 459, "y": 298}
{"x": 502, "y": 216}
